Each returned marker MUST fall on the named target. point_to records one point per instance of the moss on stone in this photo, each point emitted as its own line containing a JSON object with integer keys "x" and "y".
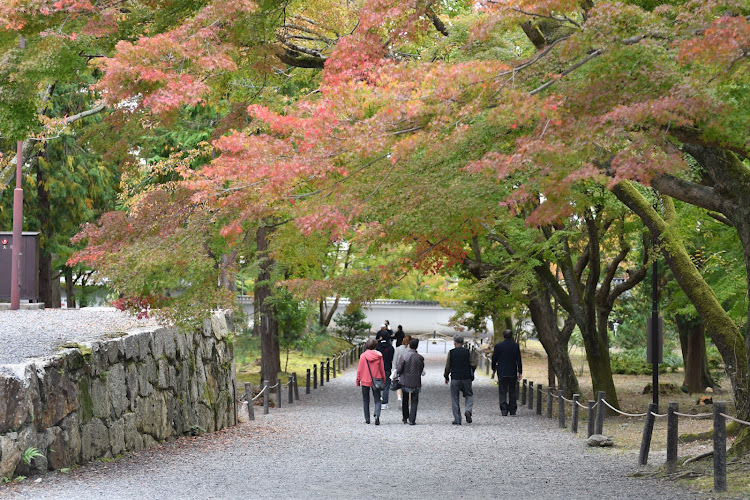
{"x": 87, "y": 404}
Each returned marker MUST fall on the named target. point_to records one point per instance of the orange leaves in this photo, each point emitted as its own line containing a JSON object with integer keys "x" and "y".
{"x": 15, "y": 14}
{"x": 171, "y": 69}
{"x": 726, "y": 40}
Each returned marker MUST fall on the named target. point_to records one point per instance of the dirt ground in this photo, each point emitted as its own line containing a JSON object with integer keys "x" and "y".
{"x": 627, "y": 431}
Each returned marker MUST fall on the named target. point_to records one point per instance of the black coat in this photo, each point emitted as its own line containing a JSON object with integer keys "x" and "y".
{"x": 386, "y": 349}
{"x": 506, "y": 359}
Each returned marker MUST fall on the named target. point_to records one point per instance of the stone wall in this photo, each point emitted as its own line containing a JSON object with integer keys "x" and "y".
{"x": 104, "y": 398}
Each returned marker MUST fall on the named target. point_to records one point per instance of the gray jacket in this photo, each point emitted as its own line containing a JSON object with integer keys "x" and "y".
{"x": 410, "y": 367}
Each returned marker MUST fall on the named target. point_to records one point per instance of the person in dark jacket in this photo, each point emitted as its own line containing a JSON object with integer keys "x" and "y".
{"x": 506, "y": 361}
{"x": 386, "y": 349}
{"x": 459, "y": 367}
{"x": 410, "y": 368}
{"x": 399, "y": 336}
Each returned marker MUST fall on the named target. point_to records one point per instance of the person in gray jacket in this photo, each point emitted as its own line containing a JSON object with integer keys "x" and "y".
{"x": 410, "y": 368}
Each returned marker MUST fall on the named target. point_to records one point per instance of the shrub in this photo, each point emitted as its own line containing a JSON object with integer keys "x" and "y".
{"x": 633, "y": 362}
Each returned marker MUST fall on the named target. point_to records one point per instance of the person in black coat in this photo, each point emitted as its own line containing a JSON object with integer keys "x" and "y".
{"x": 387, "y": 350}
{"x": 399, "y": 335}
{"x": 506, "y": 361}
{"x": 459, "y": 367}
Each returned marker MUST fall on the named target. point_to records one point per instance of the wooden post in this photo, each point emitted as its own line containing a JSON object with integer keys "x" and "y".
{"x": 539, "y": 399}
{"x": 600, "y": 413}
{"x": 574, "y": 414}
{"x": 560, "y": 410}
{"x": 481, "y": 362}
{"x": 591, "y": 422}
{"x": 249, "y": 397}
{"x": 296, "y": 386}
{"x": 531, "y": 395}
{"x": 265, "y": 397}
{"x": 334, "y": 366}
{"x": 549, "y": 401}
{"x": 523, "y": 393}
{"x": 278, "y": 393}
{"x": 315, "y": 376}
{"x": 291, "y": 389}
{"x": 648, "y": 431}
{"x": 307, "y": 382}
{"x": 518, "y": 390}
{"x": 328, "y": 369}
{"x": 720, "y": 447}
{"x": 322, "y": 373}
{"x": 672, "y": 428}
{"x": 487, "y": 367}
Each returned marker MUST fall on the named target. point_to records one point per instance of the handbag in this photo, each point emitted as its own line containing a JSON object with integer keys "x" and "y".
{"x": 377, "y": 383}
{"x": 395, "y": 385}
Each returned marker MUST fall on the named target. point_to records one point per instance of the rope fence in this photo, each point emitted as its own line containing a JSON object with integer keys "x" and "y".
{"x": 316, "y": 376}
{"x": 596, "y": 415}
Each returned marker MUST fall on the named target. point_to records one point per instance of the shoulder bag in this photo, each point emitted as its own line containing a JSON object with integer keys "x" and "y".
{"x": 377, "y": 383}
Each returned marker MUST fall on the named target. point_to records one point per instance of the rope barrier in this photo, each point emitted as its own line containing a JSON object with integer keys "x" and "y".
{"x": 697, "y": 415}
{"x": 260, "y": 393}
{"x": 582, "y": 406}
{"x": 658, "y": 415}
{"x": 622, "y": 412}
{"x": 566, "y": 399}
{"x": 734, "y": 419}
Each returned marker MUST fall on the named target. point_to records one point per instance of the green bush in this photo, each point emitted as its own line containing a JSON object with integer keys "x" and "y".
{"x": 633, "y": 362}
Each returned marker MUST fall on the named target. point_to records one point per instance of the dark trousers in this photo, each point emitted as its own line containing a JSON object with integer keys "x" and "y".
{"x": 409, "y": 411}
{"x": 386, "y": 392}
{"x": 508, "y": 390}
{"x": 366, "y": 401}
{"x": 457, "y": 387}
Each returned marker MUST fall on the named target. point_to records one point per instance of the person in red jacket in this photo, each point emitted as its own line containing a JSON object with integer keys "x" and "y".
{"x": 370, "y": 366}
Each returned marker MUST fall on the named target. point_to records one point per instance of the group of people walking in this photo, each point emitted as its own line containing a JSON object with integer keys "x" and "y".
{"x": 382, "y": 368}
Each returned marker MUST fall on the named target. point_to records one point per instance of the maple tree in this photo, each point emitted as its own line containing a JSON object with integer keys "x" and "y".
{"x": 493, "y": 106}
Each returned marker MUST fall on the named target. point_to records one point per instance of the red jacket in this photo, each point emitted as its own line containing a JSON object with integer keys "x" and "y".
{"x": 375, "y": 360}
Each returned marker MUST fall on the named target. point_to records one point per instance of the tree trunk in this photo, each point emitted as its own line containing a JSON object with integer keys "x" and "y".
{"x": 268, "y": 326}
{"x": 581, "y": 304}
{"x": 327, "y": 315}
{"x": 228, "y": 275}
{"x": 693, "y": 345}
{"x": 554, "y": 341}
{"x": 69, "y": 288}
{"x": 724, "y": 332}
{"x": 46, "y": 293}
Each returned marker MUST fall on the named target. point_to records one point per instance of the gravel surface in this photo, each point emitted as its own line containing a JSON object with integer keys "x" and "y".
{"x": 37, "y": 333}
{"x": 321, "y": 448}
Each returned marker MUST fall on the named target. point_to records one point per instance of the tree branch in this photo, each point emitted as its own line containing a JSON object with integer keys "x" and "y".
{"x": 689, "y": 192}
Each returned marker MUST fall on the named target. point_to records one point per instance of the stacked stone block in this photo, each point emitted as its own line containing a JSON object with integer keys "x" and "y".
{"x": 105, "y": 398}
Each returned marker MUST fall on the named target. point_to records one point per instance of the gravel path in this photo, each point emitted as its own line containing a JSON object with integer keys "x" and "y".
{"x": 36, "y": 333}
{"x": 321, "y": 448}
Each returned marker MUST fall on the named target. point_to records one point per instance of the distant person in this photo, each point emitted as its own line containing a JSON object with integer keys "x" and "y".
{"x": 370, "y": 366}
{"x": 400, "y": 350}
{"x": 383, "y": 334}
{"x": 410, "y": 369}
{"x": 459, "y": 367}
{"x": 386, "y": 349}
{"x": 399, "y": 336}
{"x": 388, "y": 328}
{"x": 506, "y": 361}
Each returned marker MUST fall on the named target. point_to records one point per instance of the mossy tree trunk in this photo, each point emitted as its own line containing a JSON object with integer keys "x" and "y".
{"x": 723, "y": 331}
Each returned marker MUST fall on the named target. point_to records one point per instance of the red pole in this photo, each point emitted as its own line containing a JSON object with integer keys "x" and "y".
{"x": 15, "y": 266}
